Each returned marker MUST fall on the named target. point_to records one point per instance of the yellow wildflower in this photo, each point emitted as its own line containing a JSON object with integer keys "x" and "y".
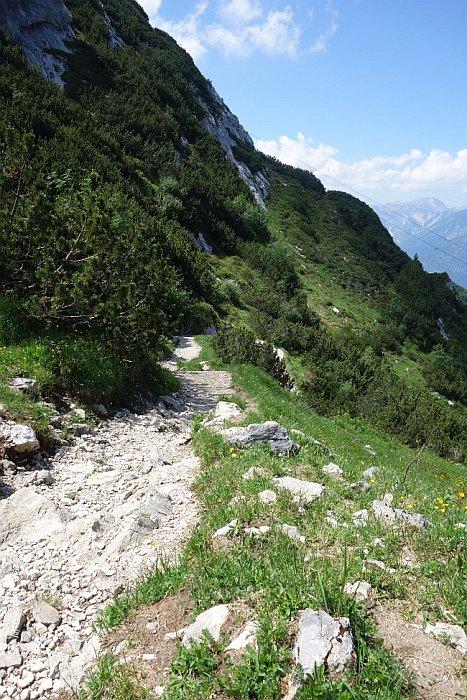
{"x": 409, "y": 505}
{"x": 442, "y": 510}
{"x": 461, "y": 494}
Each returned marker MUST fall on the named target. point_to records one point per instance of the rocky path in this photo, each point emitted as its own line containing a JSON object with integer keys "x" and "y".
{"x": 89, "y": 521}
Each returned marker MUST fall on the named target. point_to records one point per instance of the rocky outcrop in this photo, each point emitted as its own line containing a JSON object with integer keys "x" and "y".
{"x": 225, "y": 127}
{"x": 41, "y": 28}
{"x": 268, "y": 432}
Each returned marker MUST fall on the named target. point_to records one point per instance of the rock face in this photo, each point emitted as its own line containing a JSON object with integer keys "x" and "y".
{"x": 269, "y": 432}
{"x": 225, "y": 127}
{"x": 40, "y": 26}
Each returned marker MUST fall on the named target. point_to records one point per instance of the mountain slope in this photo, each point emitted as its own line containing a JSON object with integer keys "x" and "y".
{"x": 419, "y": 227}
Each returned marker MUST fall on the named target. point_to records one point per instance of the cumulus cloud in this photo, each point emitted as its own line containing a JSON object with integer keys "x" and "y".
{"x": 239, "y": 28}
{"x": 413, "y": 171}
{"x": 277, "y": 34}
{"x": 240, "y": 11}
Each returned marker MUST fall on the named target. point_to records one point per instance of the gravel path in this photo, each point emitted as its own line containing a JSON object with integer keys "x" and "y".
{"x": 109, "y": 508}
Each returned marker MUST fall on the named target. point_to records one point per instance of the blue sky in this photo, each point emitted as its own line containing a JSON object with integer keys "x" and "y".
{"x": 371, "y": 93}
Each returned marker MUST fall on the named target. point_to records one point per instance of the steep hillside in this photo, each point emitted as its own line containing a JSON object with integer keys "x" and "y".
{"x": 121, "y": 167}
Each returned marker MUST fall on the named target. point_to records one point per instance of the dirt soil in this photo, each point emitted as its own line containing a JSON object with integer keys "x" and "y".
{"x": 437, "y": 667}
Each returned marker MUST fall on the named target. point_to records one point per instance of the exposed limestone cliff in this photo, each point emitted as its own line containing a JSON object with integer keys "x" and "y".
{"x": 40, "y": 27}
{"x": 225, "y": 127}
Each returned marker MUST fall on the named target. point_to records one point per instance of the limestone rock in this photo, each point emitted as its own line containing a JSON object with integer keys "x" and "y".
{"x": 267, "y": 496}
{"x": 269, "y": 432}
{"x": 21, "y": 385}
{"x": 45, "y": 613}
{"x": 223, "y": 531}
{"x": 453, "y": 634}
{"x": 158, "y": 504}
{"x": 211, "y": 621}
{"x": 362, "y": 486}
{"x": 360, "y": 517}
{"x": 377, "y": 565}
{"x": 292, "y": 532}
{"x": 370, "y": 472}
{"x": 12, "y": 625}
{"x": 304, "y": 491}
{"x": 360, "y": 590}
{"x": 333, "y": 470}
{"x": 245, "y": 638}
{"x": 20, "y": 439}
{"x": 387, "y": 514}
{"x": 224, "y": 411}
{"x": 26, "y": 515}
{"x": 322, "y": 641}
{"x": 10, "y": 659}
{"x": 254, "y": 473}
{"x": 43, "y": 476}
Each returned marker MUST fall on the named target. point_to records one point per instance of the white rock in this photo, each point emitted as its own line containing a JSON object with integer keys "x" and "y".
{"x": 371, "y": 471}
{"x": 11, "y": 659}
{"x": 211, "y": 621}
{"x": 332, "y": 470}
{"x": 377, "y": 565}
{"x": 257, "y": 531}
{"x": 28, "y": 516}
{"x": 223, "y": 531}
{"x": 292, "y": 532}
{"x": 19, "y": 438}
{"x": 306, "y": 491}
{"x": 12, "y": 625}
{"x": 385, "y": 513}
{"x": 245, "y": 638}
{"x": 360, "y": 590}
{"x": 454, "y": 634}
{"x": 224, "y": 411}
{"x": 255, "y": 473}
{"x": 267, "y": 497}
{"x": 360, "y": 517}
{"x": 46, "y": 614}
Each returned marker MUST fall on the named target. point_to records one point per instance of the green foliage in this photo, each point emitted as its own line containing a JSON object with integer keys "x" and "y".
{"x": 239, "y": 346}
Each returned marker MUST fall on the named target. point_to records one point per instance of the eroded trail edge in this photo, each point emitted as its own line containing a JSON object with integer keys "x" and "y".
{"x": 105, "y": 511}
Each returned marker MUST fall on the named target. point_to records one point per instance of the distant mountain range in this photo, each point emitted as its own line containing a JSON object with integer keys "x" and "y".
{"x": 428, "y": 228}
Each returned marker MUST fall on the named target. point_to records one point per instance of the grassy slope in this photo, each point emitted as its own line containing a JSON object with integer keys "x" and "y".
{"x": 277, "y": 578}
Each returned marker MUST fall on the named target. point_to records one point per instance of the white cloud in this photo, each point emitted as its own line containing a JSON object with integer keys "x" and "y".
{"x": 277, "y": 34}
{"x": 188, "y": 32}
{"x": 243, "y": 28}
{"x": 413, "y": 171}
{"x": 240, "y": 11}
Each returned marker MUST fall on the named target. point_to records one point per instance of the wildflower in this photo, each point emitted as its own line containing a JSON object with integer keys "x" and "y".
{"x": 442, "y": 510}
{"x": 440, "y": 500}
{"x": 461, "y": 494}
{"x": 409, "y": 505}
{"x": 234, "y": 455}
{"x": 436, "y": 507}
{"x": 372, "y": 481}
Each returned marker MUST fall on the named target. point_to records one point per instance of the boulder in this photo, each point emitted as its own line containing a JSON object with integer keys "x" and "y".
{"x": 370, "y": 472}
{"x": 27, "y": 515}
{"x": 210, "y": 621}
{"x": 304, "y": 491}
{"x": 20, "y": 439}
{"x": 269, "y": 432}
{"x": 387, "y": 514}
{"x": 267, "y": 496}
